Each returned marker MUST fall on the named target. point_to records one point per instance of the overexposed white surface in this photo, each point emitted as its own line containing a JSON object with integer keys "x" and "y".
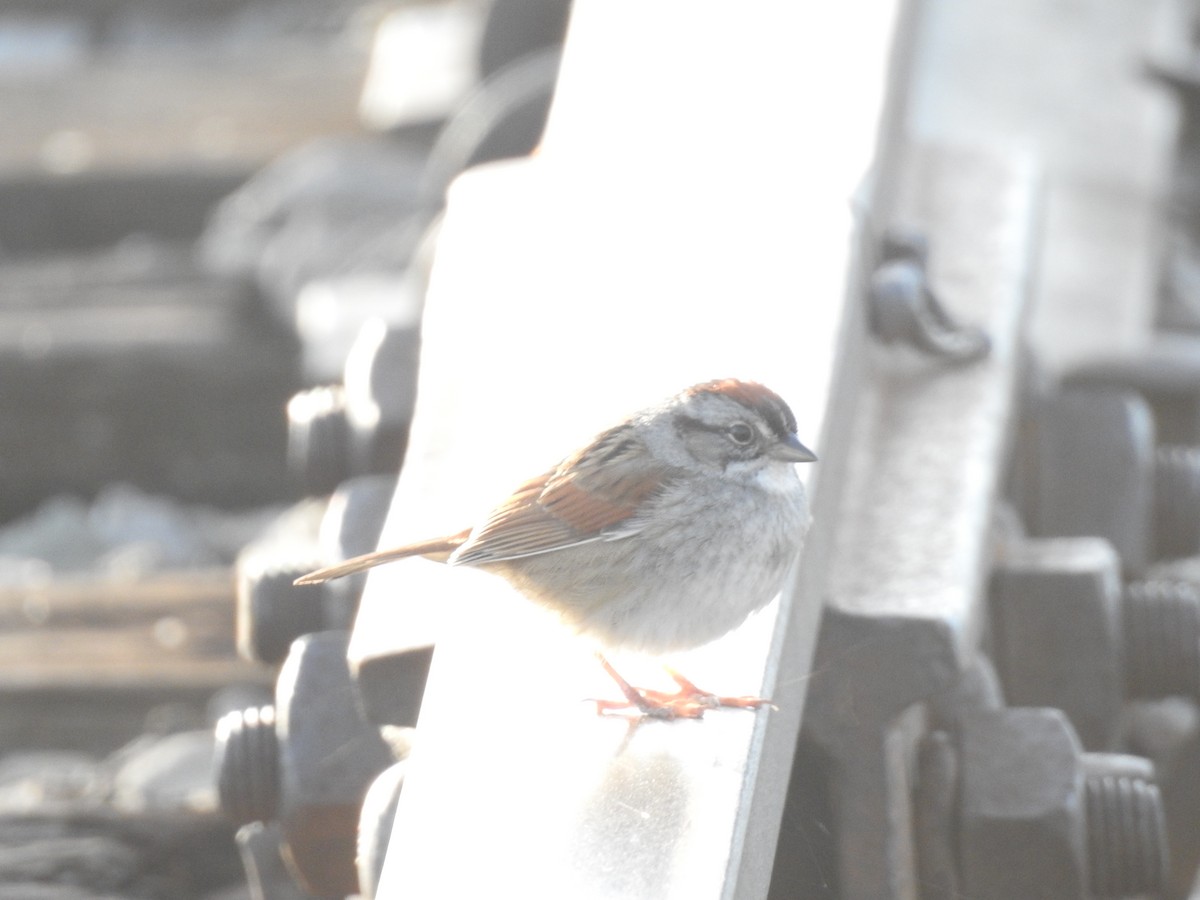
{"x": 688, "y": 217}
{"x": 423, "y": 63}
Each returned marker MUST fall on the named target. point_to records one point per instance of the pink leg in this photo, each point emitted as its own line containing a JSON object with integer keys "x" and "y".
{"x": 687, "y": 688}
{"x": 689, "y": 702}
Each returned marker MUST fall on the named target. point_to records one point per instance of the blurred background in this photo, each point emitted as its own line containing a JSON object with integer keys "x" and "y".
{"x": 201, "y": 204}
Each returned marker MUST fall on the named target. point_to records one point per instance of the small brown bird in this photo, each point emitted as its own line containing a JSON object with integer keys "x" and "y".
{"x": 662, "y": 534}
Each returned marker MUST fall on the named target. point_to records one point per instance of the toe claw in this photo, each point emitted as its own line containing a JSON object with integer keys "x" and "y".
{"x": 689, "y": 702}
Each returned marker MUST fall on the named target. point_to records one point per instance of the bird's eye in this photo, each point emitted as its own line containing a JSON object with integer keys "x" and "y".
{"x": 741, "y": 433}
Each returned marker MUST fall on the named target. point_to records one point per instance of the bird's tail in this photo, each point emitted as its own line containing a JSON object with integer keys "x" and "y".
{"x": 438, "y": 549}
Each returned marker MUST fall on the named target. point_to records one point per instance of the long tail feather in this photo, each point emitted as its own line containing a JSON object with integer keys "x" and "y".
{"x": 438, "y": 549}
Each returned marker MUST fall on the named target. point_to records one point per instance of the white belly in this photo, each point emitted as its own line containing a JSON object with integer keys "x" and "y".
{"x": 672, "y": 588}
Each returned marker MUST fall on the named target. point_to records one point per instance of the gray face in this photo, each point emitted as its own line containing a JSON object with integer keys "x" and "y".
{"x": 723, "y": 428}
{"x": 719, "y": 431}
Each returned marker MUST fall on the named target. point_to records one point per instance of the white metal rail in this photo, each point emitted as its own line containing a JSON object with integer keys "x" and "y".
{"x": 688, "y": 217}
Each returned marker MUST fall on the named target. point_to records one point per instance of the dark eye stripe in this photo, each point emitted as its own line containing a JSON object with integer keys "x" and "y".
{"x": 780, "y": 418}
{"x": 775, "y": 412}
{"x": 692, "y": 424}
{"x": 743, "y": 451}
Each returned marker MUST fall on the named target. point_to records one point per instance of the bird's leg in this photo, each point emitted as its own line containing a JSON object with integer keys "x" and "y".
{"x": 689, "y": 702}
{"x": 649, "y": 704}
{"x": 688, "y": 690}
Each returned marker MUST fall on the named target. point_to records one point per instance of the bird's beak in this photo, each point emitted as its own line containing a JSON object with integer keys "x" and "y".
{"x": 791, "y": 450}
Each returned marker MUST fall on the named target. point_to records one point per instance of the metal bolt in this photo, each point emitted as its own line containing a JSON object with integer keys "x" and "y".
{"x": 1162, "y": 639}
{"x": 1039, "y": 818}
{"x": 328, "y": 757}
{"x": 375, "y": 827}
{"x": 318, "y": 437}
{"x": 1056, "y": 624}
{"x": 1176, "y": 501}
{"x": 1165, "y": 372}
{"x": 380, "y": 394}
{"x": 1021, "y": 819}
{"x": 267, "y": 874}
{"x": 934, "y": 816}
{"x": 248, "y": 764}
{"x": 351, "y": 525}
{"x": 905, "y": 309}
{"x": 1126, "y": 834}
{"x": 1167, "y": 732}
{"x": 904, "y": 242}
{"x": 272, "y": 611}
{"x": 1091, "y": 470}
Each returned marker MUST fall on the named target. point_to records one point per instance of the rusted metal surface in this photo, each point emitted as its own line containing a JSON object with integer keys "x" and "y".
{"x": 171, "y": 629}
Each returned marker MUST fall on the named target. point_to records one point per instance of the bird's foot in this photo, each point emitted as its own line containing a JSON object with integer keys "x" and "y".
{"x": 689, "y": 702}
{"x": 714, "y": 701}
{"x": 653, "y": 705}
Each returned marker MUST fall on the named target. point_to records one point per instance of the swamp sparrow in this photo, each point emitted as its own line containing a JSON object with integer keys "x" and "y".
{"x": 664, "y": 533}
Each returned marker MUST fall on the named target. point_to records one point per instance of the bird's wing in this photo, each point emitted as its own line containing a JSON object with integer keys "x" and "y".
{"x": 593, "y": 495}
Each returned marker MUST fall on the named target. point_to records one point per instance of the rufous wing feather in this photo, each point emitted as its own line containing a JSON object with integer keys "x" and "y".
{"x": 593, "y": 495}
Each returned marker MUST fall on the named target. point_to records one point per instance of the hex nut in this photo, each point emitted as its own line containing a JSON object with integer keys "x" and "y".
{"x": 1040, "y": 819}
{"x": 328, "y": 757}
{"x": 1084, "y": 437}
{"x": 1021, "y": 806}
{"x": 1056, "y": 609}
{"x": 318, "y": 437}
